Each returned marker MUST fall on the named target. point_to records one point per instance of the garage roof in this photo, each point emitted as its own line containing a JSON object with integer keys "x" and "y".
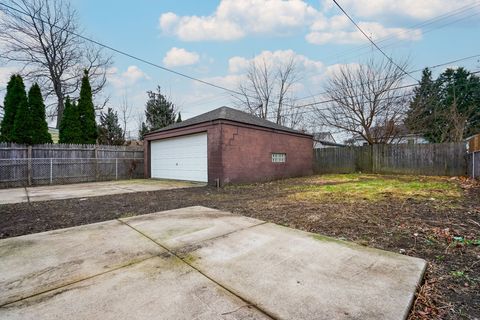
{"x": 226, "y": 113}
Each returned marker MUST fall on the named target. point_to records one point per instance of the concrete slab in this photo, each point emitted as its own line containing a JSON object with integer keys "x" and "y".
{"x": 157, "y": 288}
{"x": 188, "y": 226}
{"x": 297, "y": 275}
{"x": 13, "y": 195}
{"x": 232, "y": 267}
{"x": 39, "y": 262}
{"x": 90, "y": 189}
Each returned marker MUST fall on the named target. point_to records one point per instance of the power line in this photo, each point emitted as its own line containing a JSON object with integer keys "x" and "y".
{"x": 359, "y": 95}
{"x": 373, "y": 42}
{"x": 398, "y": 43}
{"x": 121, "y": 52}
{"x": 459, "y": 10}
{"x": 413, "y": 71}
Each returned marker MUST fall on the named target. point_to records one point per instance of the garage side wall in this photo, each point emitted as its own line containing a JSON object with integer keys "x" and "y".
{"x": 247, "y": 154}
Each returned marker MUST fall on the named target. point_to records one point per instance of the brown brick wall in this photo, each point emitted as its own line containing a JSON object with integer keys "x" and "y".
{"x": 247, "y": 154}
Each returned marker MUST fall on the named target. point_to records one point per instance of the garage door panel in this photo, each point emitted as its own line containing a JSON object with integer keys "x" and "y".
{"x": 182, "y": 158}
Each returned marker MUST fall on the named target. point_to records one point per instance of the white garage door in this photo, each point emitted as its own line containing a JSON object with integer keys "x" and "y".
{"x": 181, "y": 158}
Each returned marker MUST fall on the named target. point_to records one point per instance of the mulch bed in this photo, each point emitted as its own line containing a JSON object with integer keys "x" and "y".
{"x": 443, "y": 233}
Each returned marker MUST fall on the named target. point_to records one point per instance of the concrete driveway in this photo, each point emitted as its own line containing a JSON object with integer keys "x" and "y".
{"x": 200, "y": 263}
{"x": 89, "y": 189}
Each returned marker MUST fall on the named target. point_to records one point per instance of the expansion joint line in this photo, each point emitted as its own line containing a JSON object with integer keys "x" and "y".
{"x": 178, "y": 256}
{"x": 77, "y": 281}
{"x": 26, "y": 193}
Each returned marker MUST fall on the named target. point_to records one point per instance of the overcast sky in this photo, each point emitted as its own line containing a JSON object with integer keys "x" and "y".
{"x": 215, "y": 40}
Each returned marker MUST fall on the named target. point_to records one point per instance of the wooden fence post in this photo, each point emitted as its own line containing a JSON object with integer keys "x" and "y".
{"x": 96, "y": 163}
{"x": 51, "y": 170}
{"x": 29, "y": 165}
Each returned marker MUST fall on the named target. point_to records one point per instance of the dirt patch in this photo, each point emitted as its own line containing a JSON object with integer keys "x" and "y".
{"x": 437, "y": 219}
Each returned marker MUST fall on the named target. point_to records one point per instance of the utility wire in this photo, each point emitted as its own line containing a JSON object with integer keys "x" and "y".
{"x": 124, "y": 53}
{"x": 359, "y": 95}
{"x": 431, "y": 21}
{"x": 413, "y": 71}
{"x": 370, "y": 39}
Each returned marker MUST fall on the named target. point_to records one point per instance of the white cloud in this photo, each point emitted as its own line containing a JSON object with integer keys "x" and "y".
{"x": 279, "y": 57}
{"x": 235, "y": 19}
{"x": 231, "y": 81}
{"x": 385, "y": 9}
{"x": 180, "y": 57}
{"x": 337, "y": 30}
{"x": 129, "y": 77}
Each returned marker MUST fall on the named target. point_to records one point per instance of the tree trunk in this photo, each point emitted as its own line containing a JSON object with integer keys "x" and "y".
{"x": 60, "y": 107}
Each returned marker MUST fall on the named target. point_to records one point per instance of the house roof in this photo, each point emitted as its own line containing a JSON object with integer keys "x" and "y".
{"x": 324, "y": 136}
{"x": 226, "y": 113}
{"x": 400, "y": 130}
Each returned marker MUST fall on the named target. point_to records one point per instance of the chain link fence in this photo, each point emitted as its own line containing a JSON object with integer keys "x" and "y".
{"x": 44, "y": 171}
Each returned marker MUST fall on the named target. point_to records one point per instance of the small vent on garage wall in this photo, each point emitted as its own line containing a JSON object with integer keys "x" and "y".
{"x": 279, "y": 157}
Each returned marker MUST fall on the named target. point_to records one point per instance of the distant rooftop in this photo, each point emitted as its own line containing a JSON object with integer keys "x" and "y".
{"x": 226, "y": 113}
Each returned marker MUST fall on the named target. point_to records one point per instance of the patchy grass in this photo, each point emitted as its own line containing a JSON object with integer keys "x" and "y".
{"x": 358, "y": 187}
{"x": 433, "y": 218}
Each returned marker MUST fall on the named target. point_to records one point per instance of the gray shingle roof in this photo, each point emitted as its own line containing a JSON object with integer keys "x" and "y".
{"x": 226, "y": 113}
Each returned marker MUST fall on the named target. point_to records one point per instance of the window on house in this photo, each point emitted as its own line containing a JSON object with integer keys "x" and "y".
{"x": 279, "y": 157}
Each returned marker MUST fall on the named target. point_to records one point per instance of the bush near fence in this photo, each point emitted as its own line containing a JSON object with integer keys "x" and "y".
{"x": 22, "y": 165}
{"x": 445, "y": 159}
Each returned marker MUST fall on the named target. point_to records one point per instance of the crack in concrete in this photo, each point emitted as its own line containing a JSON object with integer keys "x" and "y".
{"x": 174, "y": 253}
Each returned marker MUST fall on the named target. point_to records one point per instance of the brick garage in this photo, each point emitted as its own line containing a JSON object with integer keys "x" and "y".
{"x": 227, "y": 146}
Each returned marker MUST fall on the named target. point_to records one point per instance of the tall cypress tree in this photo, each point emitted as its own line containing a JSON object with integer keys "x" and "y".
{"x": 86, "y": 111}
{"x": 14, "y": 97}
{"x": 22, "y": 126}
{"x": 70, "y": 130}
{"x": 37, "y": 110}
{"x": 179, "y": 118}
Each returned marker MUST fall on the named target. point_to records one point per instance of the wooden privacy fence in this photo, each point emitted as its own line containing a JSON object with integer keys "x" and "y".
{"x": 446, "y": 159}
{"x": 22, "y": 165}
{"x": 474, "y": 157}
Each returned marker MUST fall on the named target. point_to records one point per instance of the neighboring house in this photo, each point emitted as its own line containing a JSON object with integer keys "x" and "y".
{"x": 473, "y": 143}
{"x": 226, "y": 145}
{"x": 324, "y": 140}
{"x": 402, "y": 136}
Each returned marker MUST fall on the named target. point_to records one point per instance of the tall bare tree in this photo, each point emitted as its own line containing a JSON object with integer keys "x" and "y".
{"x": 42, "y": 36}
{"x": 125, "y": 114}
{"x": 366, "y": 100}
{"x": 267, "y": 92}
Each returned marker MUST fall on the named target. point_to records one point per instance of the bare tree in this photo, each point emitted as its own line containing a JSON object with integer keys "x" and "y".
{"x": 267, "y": 92}
{"x": 43, "y": 37}
{"x": 366, "y": 100}
{"x": 125, "y": 111}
